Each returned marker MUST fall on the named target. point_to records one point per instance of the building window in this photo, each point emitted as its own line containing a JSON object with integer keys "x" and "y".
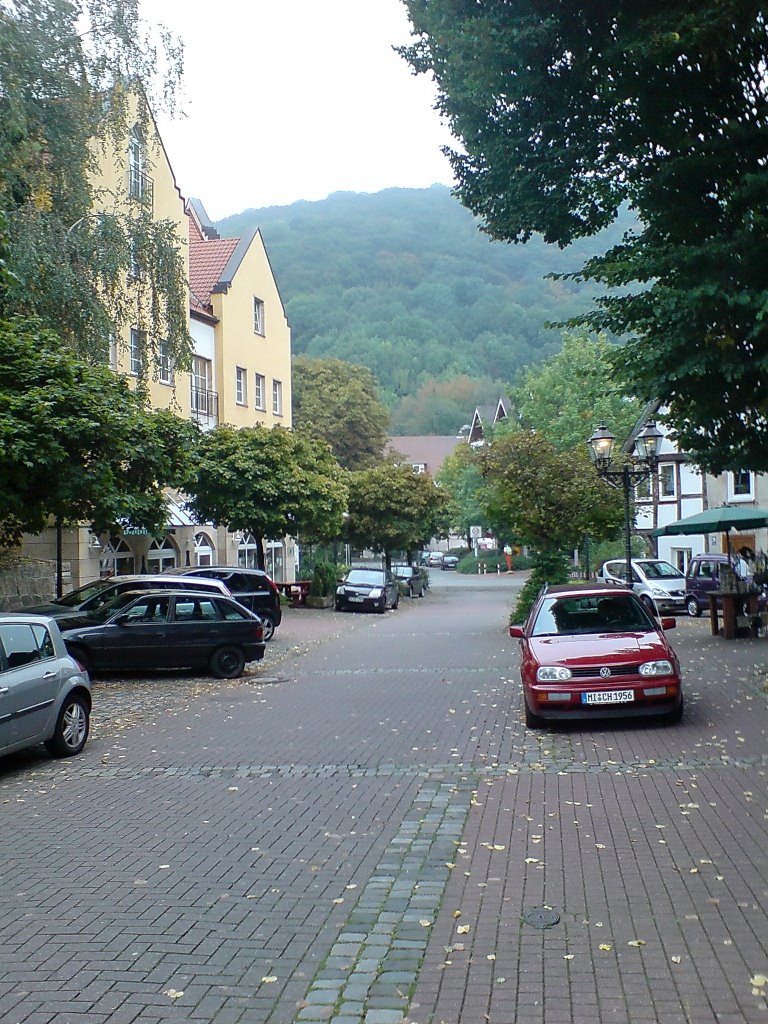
{"x": 258, "y": 316}
{"x": 259, "y": 389}
{"x": 138, "y": 344}
{"x": 277, "y": 398}
{"x": 162, "y": 555}
{"x": 248, "y": 552}
{"x": 165, "y": 363}
{"x": 205, "y": 401}
{"x": 643, "y": 489}
{"x": 741, "y": 485}
{"x": 204, "y": 549}
{"x": 139, "y": 185}
{"x": 241, "y": 386}
{"x": 114, "y": 355}
{"x": 667, "y": 487}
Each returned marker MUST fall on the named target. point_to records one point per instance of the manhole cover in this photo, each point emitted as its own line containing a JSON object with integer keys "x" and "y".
{"x": 541, "y": 917}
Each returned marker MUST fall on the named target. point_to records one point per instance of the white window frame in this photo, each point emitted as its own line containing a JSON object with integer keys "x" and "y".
{"x": 663, "y": 468}
{"x": 165, "y": 372}
{"x": 258, "y": 316}
{"x": 259, "y": 392}
{"x": 746, "y": 475}
{"x": 136, "y": 165}
{"x": 138, "y": 340}
{"x": 277, "y": 397}
{"x": 241, "y": 385}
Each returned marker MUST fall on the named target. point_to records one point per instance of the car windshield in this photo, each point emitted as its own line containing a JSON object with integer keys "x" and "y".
{"x": 403, "y": 570}
{"x": 77, "y": 597}
{"x": 594, "y": 613}
{"x": 371, "y": 576}
{"x": 661, "y": 571}
{"x": 109, "y": 608}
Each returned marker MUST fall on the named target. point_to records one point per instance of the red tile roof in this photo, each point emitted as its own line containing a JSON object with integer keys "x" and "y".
{"x": 207, "y": 260}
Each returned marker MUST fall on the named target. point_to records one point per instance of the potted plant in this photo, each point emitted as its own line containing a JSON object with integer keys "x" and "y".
{"x": 322, "y": 590}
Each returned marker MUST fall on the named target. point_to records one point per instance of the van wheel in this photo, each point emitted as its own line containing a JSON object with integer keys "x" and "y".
{"x": 72, "y": 727}
{"x": 227, "y": 663}
{"x": 692, "y": 607}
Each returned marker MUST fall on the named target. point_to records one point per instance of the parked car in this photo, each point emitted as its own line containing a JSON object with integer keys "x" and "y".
{"x": 593, "y": 651}
{"x": 45, "y": 696}
{"x": 251, "y": 587}
{"x": 91, "y": 596}
{"x": 413, "y": 579}
{"x": 702, "y": 577}
{"x": 157, "y": 629}
{"x": 449, "y": 562}
{"x": 374, "y": 589}
{"x": 435, "y": 558}
{"x": 656, "y": 582}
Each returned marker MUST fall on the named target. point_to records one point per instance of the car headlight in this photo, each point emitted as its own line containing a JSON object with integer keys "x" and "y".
{"x": 376, "y": 592}
{"x": 656, "y": 592}
{"x": 339, "y": 590}
{"x": 552, "y": 674}
{"x": 657, "y": 668}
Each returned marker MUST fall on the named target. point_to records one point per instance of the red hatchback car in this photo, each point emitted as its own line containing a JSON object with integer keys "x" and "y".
{"x": 590, "y": 651}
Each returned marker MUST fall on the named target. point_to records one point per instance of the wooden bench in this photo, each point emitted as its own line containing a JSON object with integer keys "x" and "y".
{"x": 295, "y": 592}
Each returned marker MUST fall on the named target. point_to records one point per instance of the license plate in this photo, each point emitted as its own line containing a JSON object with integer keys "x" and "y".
{"x": 353, "y": 598}
{"x": 608, "y": 697}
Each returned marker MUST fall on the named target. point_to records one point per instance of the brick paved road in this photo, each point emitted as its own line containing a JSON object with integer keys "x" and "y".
{"x": 354, "y": 832}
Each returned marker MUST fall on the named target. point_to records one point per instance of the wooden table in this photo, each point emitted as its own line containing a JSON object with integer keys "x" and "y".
{"x": 296, "y": 592}
{"x": 734, "y": 605}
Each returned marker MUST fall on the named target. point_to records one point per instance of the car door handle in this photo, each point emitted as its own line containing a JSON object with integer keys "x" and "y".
{"x": 49, "y": 675}
{"x": 3, "y": 689}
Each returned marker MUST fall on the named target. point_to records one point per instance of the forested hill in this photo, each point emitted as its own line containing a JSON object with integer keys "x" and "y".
{"x": 404, "y": 282}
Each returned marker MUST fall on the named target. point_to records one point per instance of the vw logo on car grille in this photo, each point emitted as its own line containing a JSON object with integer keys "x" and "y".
{"x": 605, "y": 672}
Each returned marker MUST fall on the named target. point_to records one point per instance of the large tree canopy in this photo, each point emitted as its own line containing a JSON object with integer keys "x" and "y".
{"x": 568, "y": 395}
{"x": 339, "y": 403}
{"x": 268, "y": 483}
{"x": 71, "y": 76}
{"x": 567, "y": 111}
{"x": 78, "y": 443}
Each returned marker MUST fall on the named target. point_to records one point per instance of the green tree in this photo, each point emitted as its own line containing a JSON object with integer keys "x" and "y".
{"x": 549, "y": 499}
{"x": 565, "y": 113}
{"x": 568, "y": 395}
{"x": 77, "y": 443}
{"x": 392, "y": 508}
{"x": 64, "y": 70}
{"x": 269, "y": 483}
{"x": 444, "y": 406}
{"x": 339, "y": 403}
{"x": 461, "y": 477}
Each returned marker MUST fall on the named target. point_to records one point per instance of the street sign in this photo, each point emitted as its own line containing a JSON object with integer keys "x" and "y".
{"x": 475, "y": 532}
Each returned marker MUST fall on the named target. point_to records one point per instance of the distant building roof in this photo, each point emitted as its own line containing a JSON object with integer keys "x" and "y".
{"x": 488, "y": 415}
{"x": 428, "y": 452}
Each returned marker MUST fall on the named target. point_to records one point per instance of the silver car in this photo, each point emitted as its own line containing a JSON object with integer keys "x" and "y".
{"x": 658, "y": 584}
{"x": 45, "y": 695}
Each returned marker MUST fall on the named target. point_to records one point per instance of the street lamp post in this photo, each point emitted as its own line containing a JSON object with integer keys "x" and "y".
{"x": 631, "y": 472}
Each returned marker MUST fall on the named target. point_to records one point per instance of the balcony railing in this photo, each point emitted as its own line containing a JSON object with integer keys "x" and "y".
{"x": 140, "y": 186}
{"x": 205, "y": 404}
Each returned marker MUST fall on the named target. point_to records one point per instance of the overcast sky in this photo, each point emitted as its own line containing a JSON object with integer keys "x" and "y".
{"x": 295, "y": 99}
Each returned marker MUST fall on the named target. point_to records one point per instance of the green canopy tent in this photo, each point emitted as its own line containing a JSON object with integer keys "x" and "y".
{"x": 717, "y": 520}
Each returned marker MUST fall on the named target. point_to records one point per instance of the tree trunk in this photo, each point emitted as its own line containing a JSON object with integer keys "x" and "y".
{"x": 260, "y": 551}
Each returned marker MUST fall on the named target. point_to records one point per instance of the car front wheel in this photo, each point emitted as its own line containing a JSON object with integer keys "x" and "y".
{"x": 532, "y": 720}
{"x": 227, "y": 663}
{"x": 692, "y": 607}
{"x": 72, "y": 728}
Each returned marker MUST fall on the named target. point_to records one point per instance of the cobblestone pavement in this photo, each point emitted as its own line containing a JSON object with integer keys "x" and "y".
{"x": 356, "y": 830}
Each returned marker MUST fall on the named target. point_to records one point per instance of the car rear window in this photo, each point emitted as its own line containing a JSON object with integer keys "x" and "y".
{"x": 196, "y": 609}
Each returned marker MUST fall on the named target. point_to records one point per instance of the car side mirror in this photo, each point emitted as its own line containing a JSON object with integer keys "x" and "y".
{"x": 668, "y": 623}
{"x": 516, "y": 632}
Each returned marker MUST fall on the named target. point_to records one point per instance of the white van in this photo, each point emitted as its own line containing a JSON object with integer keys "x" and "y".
{"x": 657, "y": 583}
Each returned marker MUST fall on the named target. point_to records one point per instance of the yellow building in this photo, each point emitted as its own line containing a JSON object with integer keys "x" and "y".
{"x": 240, "y": 372}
